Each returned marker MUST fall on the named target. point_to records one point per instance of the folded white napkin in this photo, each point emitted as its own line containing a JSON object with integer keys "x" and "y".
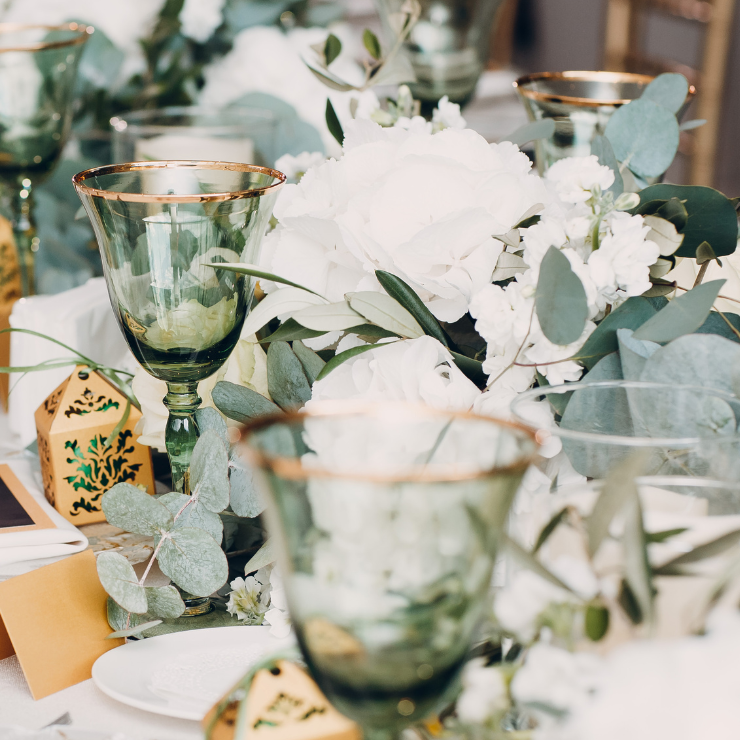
{"x": 81, "y": 318}
{"x": 17, "y": 547}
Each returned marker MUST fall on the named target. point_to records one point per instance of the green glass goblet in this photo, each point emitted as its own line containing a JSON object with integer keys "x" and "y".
{"x": 388, "y": 517}
{"x": 162, "y": 229}
{"x": 38, "y": 67}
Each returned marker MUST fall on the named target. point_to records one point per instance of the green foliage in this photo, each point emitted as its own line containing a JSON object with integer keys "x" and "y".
{"x": 332, "y": 49}
{"x": 549, "y": 528}
{"x": 560, "y": 301}
{"x": 683, "y": 315}
{"x": 191, "y": 513}
{"x": 264, "y": 556}
{"x": 245, "y": 499}
{"x": 118, "y": 578}
{"x": 193, "y": 560}
{"x": 129, "y": 508}
{"x": 533, "y": 131}
{"x": 164, "y": 602}
{"x": 332, "y": 123}
{"x": 709, "y": 216}
{"x": 243, "y": 269}
{"x": 209, "y": 419}
{"x": 291, "y": 330}
{"x": 286, "y": 379}
{"x": 602, "y": 148}
{"x": 668, "y": 90}
{"x": 342, "y": 357}
{"x": 241, "y": 404}
{"x": 311, "y": 362}
{"x": 371, "y": 43}
{"x": 209, "y": 472}
{"x": 596, "y": 621}
{"x": 645, "y": 136}
{"x": 386, "y": 312}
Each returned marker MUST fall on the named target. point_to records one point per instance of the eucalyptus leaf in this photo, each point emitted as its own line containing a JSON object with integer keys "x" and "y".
{"x": 290, "y": 330}
{"x": 286, "y": 300}
{"x": 402, "y": 292}
{"x": 633, "y": 313}
{"x": 602, "y": 148}
{"x": 165, "y": 602}
{"x": 194, "y": 515}
{"x": 329, "y": 317}
{"x": 710, "y": 216}
{"x": 619, "y": 486}
{"x": 633, "y": 353}
{"x": 560, "y": 301}
{"x": 715, "y": 324}
{"x": 128, "y": 507}
{"x": 683, "y": 315}
{"x": 118, "y": 617}
{"x": 644, "y": 135}
{"x": 311, "y": 362}
{"x": 668, "y": 90}
{"x": 245, "y": 499}
{"x": 690, "y": 125}
{"x": 194, "y": 561}
{"x": 264, "y": 556}
{"x": 239, "y": 403}
{"x": 119, "y": 580}
{"x": 386, "y": 312}
{"x": 342, "y": 357}
{"x": 208, "y": 419}
{"x": 138, "y": 629}
{"x": 209, "y": 472}
{"x": 543, "y": 129}
{"x": 285, "y": 377}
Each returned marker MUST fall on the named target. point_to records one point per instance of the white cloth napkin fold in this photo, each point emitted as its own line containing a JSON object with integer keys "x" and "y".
{"x": 81, "y": 318}
{"x": 17, "y": 547}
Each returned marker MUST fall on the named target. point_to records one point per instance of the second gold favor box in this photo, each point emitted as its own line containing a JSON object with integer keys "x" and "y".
{"x": 78, "y": 465}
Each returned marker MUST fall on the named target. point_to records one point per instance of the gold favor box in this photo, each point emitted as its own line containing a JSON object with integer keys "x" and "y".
{"x": 73, "y": 425}
{"x": 283, "y": 704}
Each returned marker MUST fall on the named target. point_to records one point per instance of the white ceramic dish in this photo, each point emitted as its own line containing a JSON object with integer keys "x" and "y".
{"x": 185, "y": 673}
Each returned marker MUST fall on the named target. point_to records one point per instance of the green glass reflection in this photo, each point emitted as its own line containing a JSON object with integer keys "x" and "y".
{"x": 38, "y": 68}
{"x": 389, "y": 519}
{"x": 161, "y": 227}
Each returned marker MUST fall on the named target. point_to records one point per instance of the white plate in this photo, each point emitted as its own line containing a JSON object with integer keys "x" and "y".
{"x": 185, "y": 673}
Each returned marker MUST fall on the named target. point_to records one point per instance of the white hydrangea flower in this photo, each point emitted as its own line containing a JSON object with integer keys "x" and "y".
{"x": 294, "y": 167}
{"x": 485, "y": 695}
{"x": 577, "y": 178}
{"x": 200, "y": 18}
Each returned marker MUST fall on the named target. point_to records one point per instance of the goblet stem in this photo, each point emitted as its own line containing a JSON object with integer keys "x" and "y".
{"x": 181, "y": 434}
{"x": 24, "y": 233}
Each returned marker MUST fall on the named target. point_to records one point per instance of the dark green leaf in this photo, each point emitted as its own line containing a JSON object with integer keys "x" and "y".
{"x": 683, "y": 315}
{"x": 525, "y": 223}
{"x": 633, "y": 313}
{"x": 472, "y": 369}
{"x": 372, "y": 331}
{"x": 715, "y": 324}
{"x": 241, "y": 404}
{"x": 332, "y": 48}
{"x": 638, "y": 573}
{"x": 409, "y": 299}
{"x": 311, "y": 362}
{"x": 597, "y": 621}
{"x": 629, "y": 603}
{"x": 705, "y": 253}
{"x": 243, "y": 269}
{"x": 702, "y": 552}
{"x": 530, "y": 561}
{"x": 562, "y": 307}
{"x": 711, "y": 217}
{"x": 291, "y": 330}
{"x": 371, "y": 43}
{"x": 286, "y": 379}
{"x": 549, "y": 528}
{"x": 332, "y": 123}
{"x": 342, "y": 357}
{"x": 666, "y": 534}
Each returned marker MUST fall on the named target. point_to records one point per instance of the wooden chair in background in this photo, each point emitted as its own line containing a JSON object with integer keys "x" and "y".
{"x": 624, "y": 51}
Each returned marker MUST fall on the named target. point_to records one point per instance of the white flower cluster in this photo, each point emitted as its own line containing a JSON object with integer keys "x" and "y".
{"x": 423, "y": 206}
{"x": 261, "y": 598}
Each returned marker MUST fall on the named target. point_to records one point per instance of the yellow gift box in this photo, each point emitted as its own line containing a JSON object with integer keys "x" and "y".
{"x": 78, "y": 465}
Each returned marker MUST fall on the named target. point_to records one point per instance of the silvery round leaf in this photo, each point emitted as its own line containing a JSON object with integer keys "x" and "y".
{"x": 194, "y": 561}
{"x": 209, "y": 419}
{"x": 129, "y": 508}
{"x": 120, "y": 582}
{"x": 209, "y": 472}
{"x": 196, "y": 515}
{"x": 165, "y": 602}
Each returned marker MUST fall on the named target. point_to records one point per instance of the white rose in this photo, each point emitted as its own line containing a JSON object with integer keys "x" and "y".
{"x": 576, "y": 178}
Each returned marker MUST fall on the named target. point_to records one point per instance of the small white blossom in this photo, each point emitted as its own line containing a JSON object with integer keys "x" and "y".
{"x": 447, "y": 115}
{"x": 485, "y": 694}
{"x": 578, "y": 178}
{"x": 246, "y": 600}
{"x": 294, "y": 167}
{"x": 200, "y": 18}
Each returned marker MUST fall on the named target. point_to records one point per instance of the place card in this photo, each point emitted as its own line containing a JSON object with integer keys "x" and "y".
{"x": 54, "y": 620}
{"x": 19, "y": 511}
{"x": 283, "y": 704}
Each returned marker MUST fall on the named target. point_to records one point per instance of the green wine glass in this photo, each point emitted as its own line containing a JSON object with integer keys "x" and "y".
{"x": 162, "y": 229}
{"x": 38, "y": 68}
{"x": 388, "y": 518}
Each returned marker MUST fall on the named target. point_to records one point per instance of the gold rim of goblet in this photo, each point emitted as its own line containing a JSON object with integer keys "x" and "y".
{"x": 83, "y": 33}
{"x": 582, "y": 76}
{"x": 112, "y": 169}
{"x": 291, "y": 468}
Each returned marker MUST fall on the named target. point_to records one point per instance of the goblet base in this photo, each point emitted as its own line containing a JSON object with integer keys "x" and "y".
{"x": 196, "y": 607}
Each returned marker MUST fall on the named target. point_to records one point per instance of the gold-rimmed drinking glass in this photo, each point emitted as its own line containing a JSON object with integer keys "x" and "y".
{"x": 580, "y": 103}
{"x": 388, "y": 518}
{"x": 38, "y": 68}
{"x": 162, "y": 229}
